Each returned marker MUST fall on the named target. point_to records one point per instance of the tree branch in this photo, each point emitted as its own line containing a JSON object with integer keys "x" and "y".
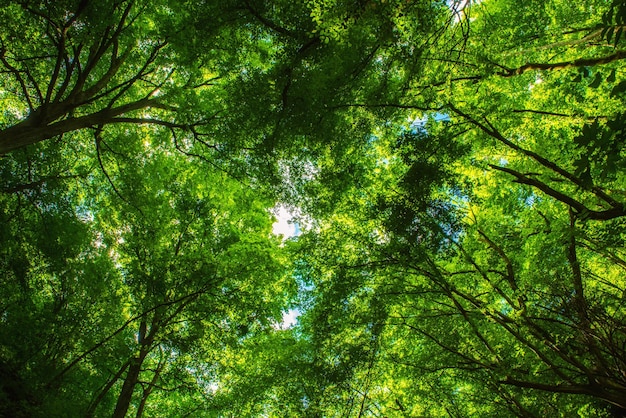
{"x": 615, "y": 399}
{"x": 581, "y": 209}
{"x": 582, "y": 62}
{"x": 108, "y": 338}
{"x": 490, "y": 130}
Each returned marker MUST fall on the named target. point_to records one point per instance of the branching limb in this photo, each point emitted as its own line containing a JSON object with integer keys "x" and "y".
{"x": 98, "y": 140}
{"x": 582, "y": 62}
{"x": 137, "y": 317}
{"x": 268, "y": 23}
{"x": 105, "y": 389}
{"x": 17, "y": 74}
{"x": 563, "y": 115}
{"x": 490, "y": 129}
{"x": 615, "y": 399}
{"x": 580, "y": 208}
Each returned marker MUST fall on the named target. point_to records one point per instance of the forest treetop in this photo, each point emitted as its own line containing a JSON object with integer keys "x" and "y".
{"x": 461, "y": 162}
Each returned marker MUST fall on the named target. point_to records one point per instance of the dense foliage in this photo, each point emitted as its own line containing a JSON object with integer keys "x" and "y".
{"x": 457, "y": 169}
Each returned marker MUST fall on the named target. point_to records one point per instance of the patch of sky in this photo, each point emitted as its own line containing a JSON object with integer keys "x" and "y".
{"x": 285, "y": 226}
{"x": 84, "y": 214}
{"x": 303, "y": 301}
{"x": 419, "y": 123}
{"x": 538, "y": 80}
{"x": 295, "y": 173}
{"x": 305, "y": 402}
{"x": 372, "y": 139}
{"x": 458, "y": 197}
{"x": 290, "y": 222}
{"x": 289, "y": 320}
{"x": 530, "y": 200}
{"x": 460, "y": 8}
{"x": 457, "y": 6}
{"x": 505, "y": 308}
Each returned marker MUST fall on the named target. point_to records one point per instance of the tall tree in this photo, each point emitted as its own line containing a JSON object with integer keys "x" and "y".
{"x": 461, "y": 162}
{"x": 487, "y": 203}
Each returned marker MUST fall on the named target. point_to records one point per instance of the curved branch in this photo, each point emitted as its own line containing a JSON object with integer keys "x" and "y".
{"x": 582, "y": 62}
{"x": 18, "y": 77}
{"x": 268, "y": 23}
{"x": 615, "y": 399}
{"x": 582, "y": 210}
{"x": 186, "y": 299}
{"x": 491, "y": 130}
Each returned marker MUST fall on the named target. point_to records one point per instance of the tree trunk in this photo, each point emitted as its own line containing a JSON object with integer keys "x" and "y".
{"x": 92, "y": 408}
{"x": 134, "y": 370}
{"x": 147, "y": 391}
{"x": 126, "y": 395}
{"x": 30, "y": 131}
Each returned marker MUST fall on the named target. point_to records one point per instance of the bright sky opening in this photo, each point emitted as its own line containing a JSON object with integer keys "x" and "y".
{"x": 284, "y": 224}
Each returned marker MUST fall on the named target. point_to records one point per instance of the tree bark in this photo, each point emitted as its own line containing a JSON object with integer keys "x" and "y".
{"x": 30, "y": 132}
{"x": 148, "y": 390}
{"x": 583, "y": 62}
{"x": 616, "y": 399}
{"x": 126, "y": 395}
{"x": 92, "y": 408}
{"x": 134, "y": 370}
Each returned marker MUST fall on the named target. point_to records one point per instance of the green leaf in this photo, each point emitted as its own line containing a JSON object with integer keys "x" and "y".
{"x": 583, "y": 170}
{"x": 611, "y": 77}
{"x": 620, "y": 88}
{"x": 596, "y": 81}
{"x": 609, "y": 34}
{"x": 618, "y": 35}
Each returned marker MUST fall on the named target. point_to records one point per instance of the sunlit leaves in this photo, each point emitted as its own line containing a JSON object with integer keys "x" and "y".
{"x": 462, "y": 174}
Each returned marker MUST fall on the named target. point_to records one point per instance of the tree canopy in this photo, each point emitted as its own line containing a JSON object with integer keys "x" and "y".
{"x": 454, "y": 169}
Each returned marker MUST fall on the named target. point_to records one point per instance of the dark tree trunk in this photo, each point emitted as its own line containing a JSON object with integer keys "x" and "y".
{"x": 126, "y": 395}
{"x": 134, "y": 370}
{"x": 33, "y": 130}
